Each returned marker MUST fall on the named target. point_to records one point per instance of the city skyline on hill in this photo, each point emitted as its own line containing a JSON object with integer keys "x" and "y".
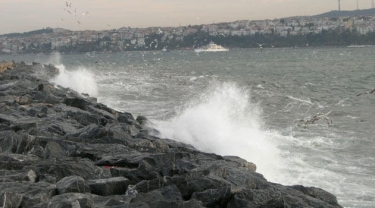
{"x": 24, "y": 15}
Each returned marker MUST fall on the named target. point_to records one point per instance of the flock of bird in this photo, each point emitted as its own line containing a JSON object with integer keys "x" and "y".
{"x": 68, "y": 9}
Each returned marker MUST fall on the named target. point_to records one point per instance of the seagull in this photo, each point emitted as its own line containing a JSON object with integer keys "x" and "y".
{"x": 79, "y": 22}
{"x": 366, "y": 92}
{"x": 261, "y": 46}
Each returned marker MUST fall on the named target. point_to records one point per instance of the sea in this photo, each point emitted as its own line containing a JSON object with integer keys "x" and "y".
{"x": 302, "y": 115}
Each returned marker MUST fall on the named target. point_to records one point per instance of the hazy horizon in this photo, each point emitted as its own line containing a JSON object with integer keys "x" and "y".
{"x": 28, "y": 15}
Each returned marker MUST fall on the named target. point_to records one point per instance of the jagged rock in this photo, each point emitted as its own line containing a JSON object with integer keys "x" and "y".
{"x": 58, "y": 127}
{"x": 109, "y": 186}
{"x": 72, "y": 184}
{"x": 17, "y": 175}
{"x": 317, "y": 193}
{"x": 24, "y": 100}
{"x": 7, "y": 141}
{"x": 242, "y": 162}
{"x": 168, "y": 196}
{"x": 278, "y": 196}
{"x": 24, "y": 142}
{"x": 69, "y": 200}
{"x": 11, "y": 200}
{"x": 83, "y": 117}
{"x": 214, "y": 197}
{"x": 105, "y": 114}
{"x": 126, "y": 118}
{"x": 114, "y": 201}
{"x": 77, "y": 102}
{"x": 16, "y": 161}
{"x": 25, "y": 124}
{"x": 142, "y": 120}
{"x": 91, "y": 152}
{"x": 92, "y": 131}
{"x": 150, "y": 185}
{"x": 61, "y": 168}
{"x": 30, "y": 193}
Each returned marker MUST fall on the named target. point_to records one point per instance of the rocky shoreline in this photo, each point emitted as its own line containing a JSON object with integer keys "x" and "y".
{"x": 62, "y": 149}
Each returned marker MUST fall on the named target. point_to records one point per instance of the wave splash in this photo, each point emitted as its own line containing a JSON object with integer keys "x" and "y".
{"x": 80, "y": 80}
{"x": 225, "y": 121}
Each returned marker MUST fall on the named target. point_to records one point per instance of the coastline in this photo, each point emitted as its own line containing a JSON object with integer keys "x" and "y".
{"x": 60, "y": 147}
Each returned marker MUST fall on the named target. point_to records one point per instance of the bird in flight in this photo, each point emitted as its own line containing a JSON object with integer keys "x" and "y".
{"x": 367, "y": 92}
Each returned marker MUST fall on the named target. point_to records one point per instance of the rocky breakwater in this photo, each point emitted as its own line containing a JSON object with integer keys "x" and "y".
{"x": 62, "y": 149}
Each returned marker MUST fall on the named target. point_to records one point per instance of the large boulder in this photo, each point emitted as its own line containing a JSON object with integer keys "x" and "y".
{"x": 72, "y": 184}
{"x": 165, "y": 197}
{"x": 17, "y": 175}
{"x": 27, "y": 194}
{"x": 109, "y": 186}
{"x": 69, "y": 200}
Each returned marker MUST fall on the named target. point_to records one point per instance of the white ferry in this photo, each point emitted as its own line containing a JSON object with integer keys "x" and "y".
{"x": 211, "y": 47}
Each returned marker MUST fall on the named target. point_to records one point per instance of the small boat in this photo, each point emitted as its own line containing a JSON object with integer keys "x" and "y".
{"x": 211, "y": 47}
{"x": 356, "y": 46}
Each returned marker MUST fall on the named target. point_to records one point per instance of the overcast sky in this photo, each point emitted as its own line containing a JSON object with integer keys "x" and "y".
{"x": 27, "y": 15}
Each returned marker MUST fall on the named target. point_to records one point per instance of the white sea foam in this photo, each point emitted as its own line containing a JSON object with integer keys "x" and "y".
{"x": 301, "y": 100}
{"x": 225, "y": 121}
{"x": 80, "y": 80}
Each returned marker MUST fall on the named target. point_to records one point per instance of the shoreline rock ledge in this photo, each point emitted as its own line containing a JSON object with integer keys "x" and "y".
{"x": 59, "y": 148}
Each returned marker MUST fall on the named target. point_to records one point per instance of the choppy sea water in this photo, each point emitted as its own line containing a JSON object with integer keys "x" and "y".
{"x": 249, "y": 103}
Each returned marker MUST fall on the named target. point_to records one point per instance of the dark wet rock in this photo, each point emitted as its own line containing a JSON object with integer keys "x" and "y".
{"x": 30, "y": 193}
{"x": 278, "y": 196}
{"x": 10, "y": 161}
{"x": 142, "y": 120}
{"x": 214, "y": 197}
{"x": 168, "y": 196}
{"x": 126, "y": 118}
{"x": 17, "y": 175}
{"x": 83, "y": 117}
{"x": 317, "y": 193}
{"x": 70, "y": 167}
{"x": 8, "y": 199}
{"x": 72, "y": 184}
{"x": 59, "y": 148}
{"x": 109, "y": 186}
{"x": 77, "y": 102}
{"x": 103, "y": 113}
{"x": 69, "y": 200}
{"x": 92, "y": 131}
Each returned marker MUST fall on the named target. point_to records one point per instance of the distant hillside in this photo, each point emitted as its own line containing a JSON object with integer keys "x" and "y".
{"x": 335, "y": 14}
{"x": 41, "y": 31}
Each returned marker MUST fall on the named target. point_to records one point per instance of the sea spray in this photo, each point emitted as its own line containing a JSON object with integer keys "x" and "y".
{"x": 225, "y": 121}
{"x": 80, "y": 80}
{"x": 54, "y": 58}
